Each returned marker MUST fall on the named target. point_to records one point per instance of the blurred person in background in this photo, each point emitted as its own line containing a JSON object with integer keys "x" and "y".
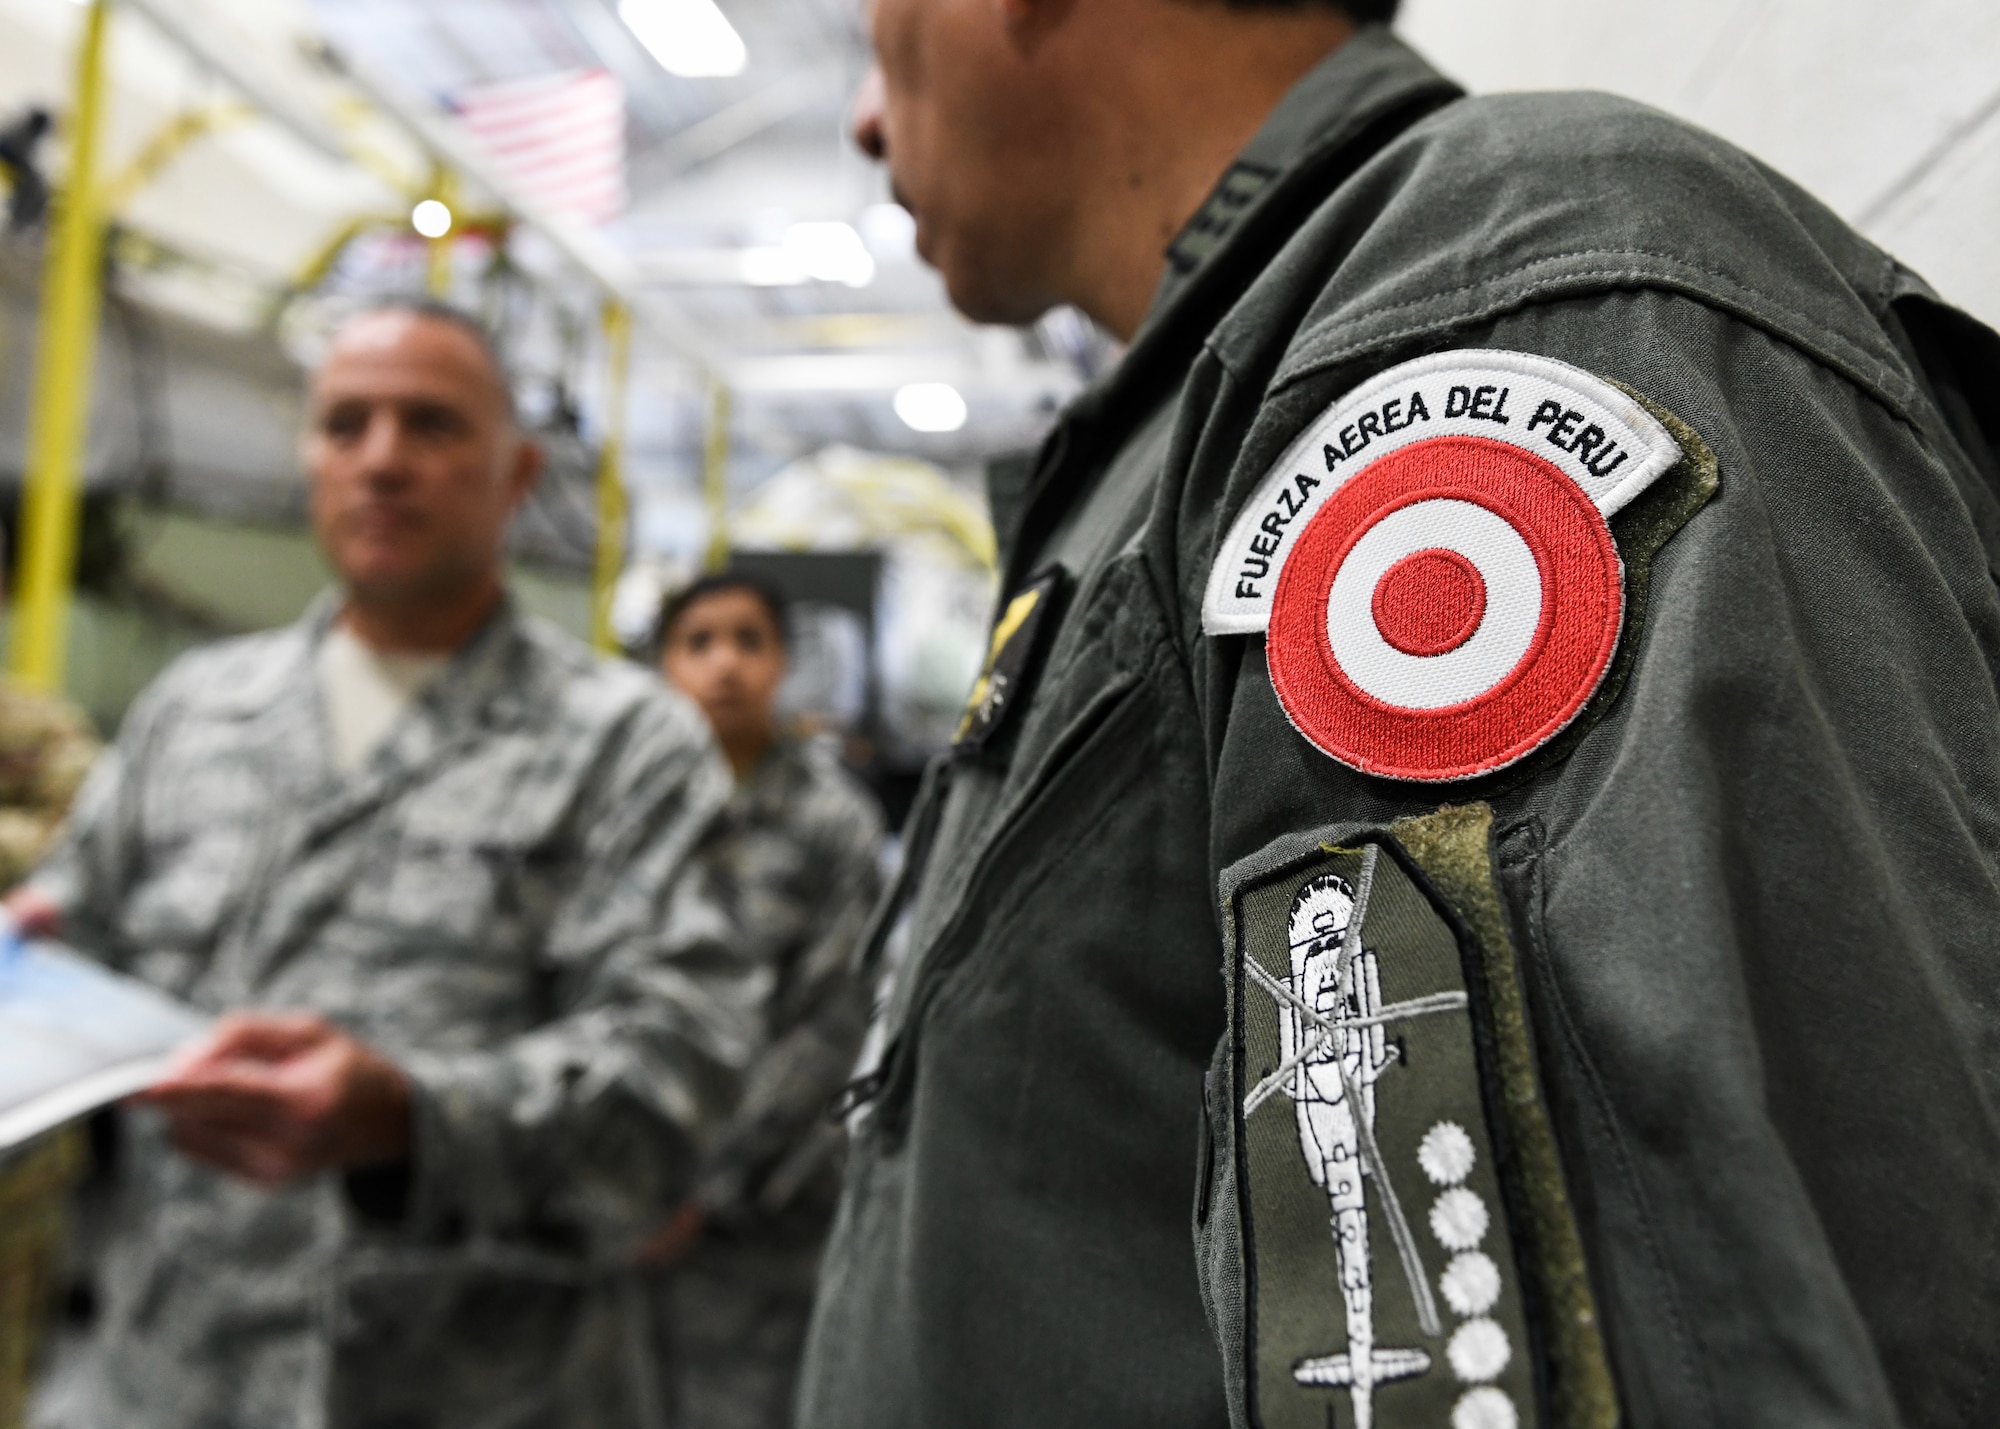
{"x": 798, "y": 865}
{"x": 429, "y": 861}
{"x": 46, "y": 748}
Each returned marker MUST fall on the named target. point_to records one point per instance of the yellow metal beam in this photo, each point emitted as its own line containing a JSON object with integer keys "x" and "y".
{"x": 715, "y": 475}
{"x": 611, "y": 476}
{"x": 437, "y": 275}
{"x": 165, "y": 146}
{"x": 66, "y": 345}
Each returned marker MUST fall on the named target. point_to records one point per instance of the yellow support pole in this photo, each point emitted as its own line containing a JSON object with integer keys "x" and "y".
{"x": 611, "y": 477}
{"x": 715, "y": 476}
{"x": 66, "y": 346}
{"x": 437, "y": 271}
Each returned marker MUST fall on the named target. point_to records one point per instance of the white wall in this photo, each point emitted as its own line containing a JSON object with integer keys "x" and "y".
{"x": 1890, "y": 112}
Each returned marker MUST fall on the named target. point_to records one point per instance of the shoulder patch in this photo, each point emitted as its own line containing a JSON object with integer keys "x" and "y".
{"x": 1385, "y": 1288}
{"x": 1432, "y": 561}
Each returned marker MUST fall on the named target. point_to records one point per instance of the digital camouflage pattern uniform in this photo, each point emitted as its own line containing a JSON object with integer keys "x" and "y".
{"x": 799, "y": 866}
{"x": 46, "y": 748}
{"x": 1712, "y": 974}
{"x": 503, "y": 902}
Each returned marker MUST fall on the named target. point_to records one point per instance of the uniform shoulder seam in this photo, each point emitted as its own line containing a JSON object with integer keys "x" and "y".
{"x": 1891, "y": 389}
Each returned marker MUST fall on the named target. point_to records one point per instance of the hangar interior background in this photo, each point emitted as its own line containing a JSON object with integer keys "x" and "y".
{"x": 796, "y": 381}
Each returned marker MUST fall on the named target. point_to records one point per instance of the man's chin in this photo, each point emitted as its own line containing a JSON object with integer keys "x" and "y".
{"x": 396, "y": 588}
{"x": 983, "y": 293}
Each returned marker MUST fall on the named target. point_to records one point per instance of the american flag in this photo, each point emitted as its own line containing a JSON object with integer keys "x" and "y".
{"x": 559, "y": 137}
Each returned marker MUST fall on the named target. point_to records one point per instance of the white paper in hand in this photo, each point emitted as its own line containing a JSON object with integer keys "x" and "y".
{"x": 74, "y": 1036}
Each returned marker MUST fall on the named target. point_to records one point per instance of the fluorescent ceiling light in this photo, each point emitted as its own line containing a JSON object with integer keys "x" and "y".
{"x": 830, "y": 252}
{"x": 769, "y": 266}
{"x": 690, "y": 38}
{"x": 889, "y": 230}
{"x": 431, "y": 218}
{"x": 930, "y": 407}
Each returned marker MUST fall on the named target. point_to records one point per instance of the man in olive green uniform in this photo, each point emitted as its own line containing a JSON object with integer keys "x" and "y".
{"x": 1523, "y": 614}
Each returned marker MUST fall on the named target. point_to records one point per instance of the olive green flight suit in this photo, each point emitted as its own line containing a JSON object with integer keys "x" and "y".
{"x": 1746, "y": 910}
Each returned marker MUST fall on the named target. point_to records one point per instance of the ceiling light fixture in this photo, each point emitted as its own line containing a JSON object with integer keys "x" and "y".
{"x": 690, "y": 38}
{"x": 930, "y": 407}
{"x": 431, "y": 218}
{"x": 769, "y": 266}
{"x": 889, "y": 230}
{"x": 831, "y": 252}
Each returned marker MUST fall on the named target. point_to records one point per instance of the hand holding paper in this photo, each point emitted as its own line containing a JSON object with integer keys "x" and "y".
{"x": 273, "y": 1097}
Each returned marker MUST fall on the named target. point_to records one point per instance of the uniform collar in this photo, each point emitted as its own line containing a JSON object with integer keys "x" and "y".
{"x": 1344, "y": 110}
{"x": 477, "y": 672}
{"x": 479, "y": 686}
{"x": 1338, "y": 100}
{"x": 479, "y": 691}
{"x": 770, "y": 783}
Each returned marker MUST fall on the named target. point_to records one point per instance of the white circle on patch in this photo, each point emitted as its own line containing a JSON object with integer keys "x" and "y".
{"x": 1471, "y": 1283}
{"x": 1446, "y": 1154}
{"x": 1478, "y": 1350}
{"x": 1458, "y": 1219}
{"x": 1506, "y": 630}
{"x": 1484, "y": 1408}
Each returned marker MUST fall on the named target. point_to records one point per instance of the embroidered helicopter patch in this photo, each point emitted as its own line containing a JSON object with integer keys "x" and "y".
{"x": 1385, "y": 1288}
{"x": 1432, "y": 561}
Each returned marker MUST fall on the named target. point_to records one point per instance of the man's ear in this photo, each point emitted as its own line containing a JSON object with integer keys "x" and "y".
{"x": 1033, "y": 14}
{"x": 529, "y": 460}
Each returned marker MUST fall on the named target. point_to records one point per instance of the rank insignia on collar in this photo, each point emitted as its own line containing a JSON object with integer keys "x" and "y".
{"x": 1432, "y": 562}
{"x": 1016, "y": 636}
{"x": 1384, "y": 1287}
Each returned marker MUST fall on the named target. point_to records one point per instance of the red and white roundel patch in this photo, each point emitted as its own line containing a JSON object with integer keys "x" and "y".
{"x": 1431, "y": 560}
{"x": 1446, "y": 611}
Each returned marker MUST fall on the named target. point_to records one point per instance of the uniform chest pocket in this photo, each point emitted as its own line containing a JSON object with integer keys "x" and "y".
{"x": 181, "y": 904}
{"x": 450, "y": 932}
{"x": 465, "y": 891}
{"x": 1024, "y": 870}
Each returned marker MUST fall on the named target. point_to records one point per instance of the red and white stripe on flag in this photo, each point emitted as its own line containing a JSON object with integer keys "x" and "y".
{"x": 560, "y": 138}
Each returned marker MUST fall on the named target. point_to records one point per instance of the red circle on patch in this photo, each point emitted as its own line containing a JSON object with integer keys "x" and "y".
{"x": 1429, "y": 602}
{"x": 1581, "y": 611}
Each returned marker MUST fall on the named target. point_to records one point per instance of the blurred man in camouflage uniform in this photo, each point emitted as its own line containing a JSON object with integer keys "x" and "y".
{"x": 454, "y": 848}
{"x": 799, "y": 866}
{"x": 46, "y": 747}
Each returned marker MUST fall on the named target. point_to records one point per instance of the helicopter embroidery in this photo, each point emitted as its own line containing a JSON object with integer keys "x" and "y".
{"x": 1334, "y": 1049}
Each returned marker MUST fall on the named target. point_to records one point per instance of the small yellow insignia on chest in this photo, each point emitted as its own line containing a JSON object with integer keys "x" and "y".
{"x": 1016, "y": 636}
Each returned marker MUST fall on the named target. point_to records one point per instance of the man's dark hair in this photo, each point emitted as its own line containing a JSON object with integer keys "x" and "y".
{"x": 1362, "y": 12}
{"x": 418, "y": 306}
{"x": 679, "y": 602}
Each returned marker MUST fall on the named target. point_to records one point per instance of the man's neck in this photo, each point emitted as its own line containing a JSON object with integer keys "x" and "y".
{"x": 409, "y": 627}
{"x": 1180, "y": 117}
{"x": 747, "y": 750}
